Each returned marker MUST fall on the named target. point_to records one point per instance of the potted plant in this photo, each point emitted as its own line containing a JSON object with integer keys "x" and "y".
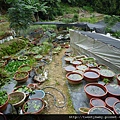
{"x": 87, "y": 60}
{"x": 38, "y": 57}
{"x": 6, "y": 58}
{"x": 74, "y": 77}
{"x": 95, "y": 90}
{"x": 78, "y": 57}
{"x": 21, "y": 77}
{"x": 23, "y": 88}
{"x": 17, "y": 99}
{"x": 33, "y": 106}
{"x": 32, "y": 86}
{"x": 92, "y": 64}
{"x": 56, "y": 50}
{"x": 25, "y": 68}
{"x": 22, "y": 57}
{"x": 4, "y": 97}
{"x": 106, "y": 73}
{"x": 102, "y": 66}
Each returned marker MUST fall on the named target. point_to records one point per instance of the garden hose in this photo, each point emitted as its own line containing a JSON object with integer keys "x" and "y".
{"x": 55, "y": 97}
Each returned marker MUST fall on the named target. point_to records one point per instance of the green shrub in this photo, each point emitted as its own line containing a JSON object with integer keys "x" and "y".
{"x": 11, "y": 47}
{"x": 90, "y": 20}
{"x": 87, "y": 8}
{"x": 110, "y": 21}
{"x": 75, "y": 18}
{"x": 116, "y": 34}
{"x": 67, "y": 20}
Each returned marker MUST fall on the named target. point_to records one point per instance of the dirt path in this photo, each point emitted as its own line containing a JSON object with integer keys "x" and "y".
{"x": 57, "y": 79}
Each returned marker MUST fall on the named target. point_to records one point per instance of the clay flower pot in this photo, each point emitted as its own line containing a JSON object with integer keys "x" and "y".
{"x": 3, "y": 63}
{"x": 76, "y": 63}
{"x": 82, "y": 67}
{"x": 37, "y": 94}
{"x": 38, "y": 57}
{"x": 79, "y": 71}
{"x": 67, "y": 45}
{"x": 110, "y": 102}
{"x": 118, "y": 79}
{"x": 102, "y": 66}
{"x": 96, "y": 102}
{"x": 4, "y": 96}
{"x": 33, "y": 106}
{"x": 68, "y": 59}
{"x": 22, "y": 58}
{"x": 6, "y": 58}
{"x": 25, "y": 68}
{"x": 78, "y": 57}
{"x": 32, "y": 86}
{"x": 70, "y": 68}
{"x": 23, "y": 89}
{"x": 88, "y": 59}
{"x": 2, "y": 116}
{"x": 106, "y": 73}
{"x": 74, "y": 77}
{"x": 95, "y": 90}
{"x": 17, "y": 99}
{"x": 21, "y": 77}
{"x": 84, "y": 110}
{"x": 100, "y": 110}
{"x": 92, "y": 64}
{"x": 91, "y": 75}
{"x": 113, "y": 90}
{"x": 116, "y": 107}
{"x": 97, "y": 69}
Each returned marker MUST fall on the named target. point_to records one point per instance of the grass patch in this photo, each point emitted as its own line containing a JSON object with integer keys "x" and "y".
{"x": 3, "y": 18}
{"x": 11, "y": 47}
{"x": 43, "y": 27}
{"x": 91, "y": 19}
{"x": 4, "y": 26}
{"x": 67, "y": 9}
{"x": 70, "y": 104}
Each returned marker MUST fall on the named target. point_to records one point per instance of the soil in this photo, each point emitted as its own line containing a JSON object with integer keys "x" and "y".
{"x": 57, "y": 79}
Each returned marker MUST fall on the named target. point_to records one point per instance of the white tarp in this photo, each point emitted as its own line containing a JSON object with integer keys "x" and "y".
{"x": 104, "y": 53}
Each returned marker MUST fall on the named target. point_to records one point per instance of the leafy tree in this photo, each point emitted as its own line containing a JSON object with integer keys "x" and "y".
{"x": 53, "y": 9}
{"x": 21, "y": 13}
{"x": 79, "y": 3}
{"x": 20, "y": 16}
{"x": 3, "y": 6}
{"x": 38, "y": 7}
{"x": 110, "y": 7}
{"x": 110, "y": 21}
